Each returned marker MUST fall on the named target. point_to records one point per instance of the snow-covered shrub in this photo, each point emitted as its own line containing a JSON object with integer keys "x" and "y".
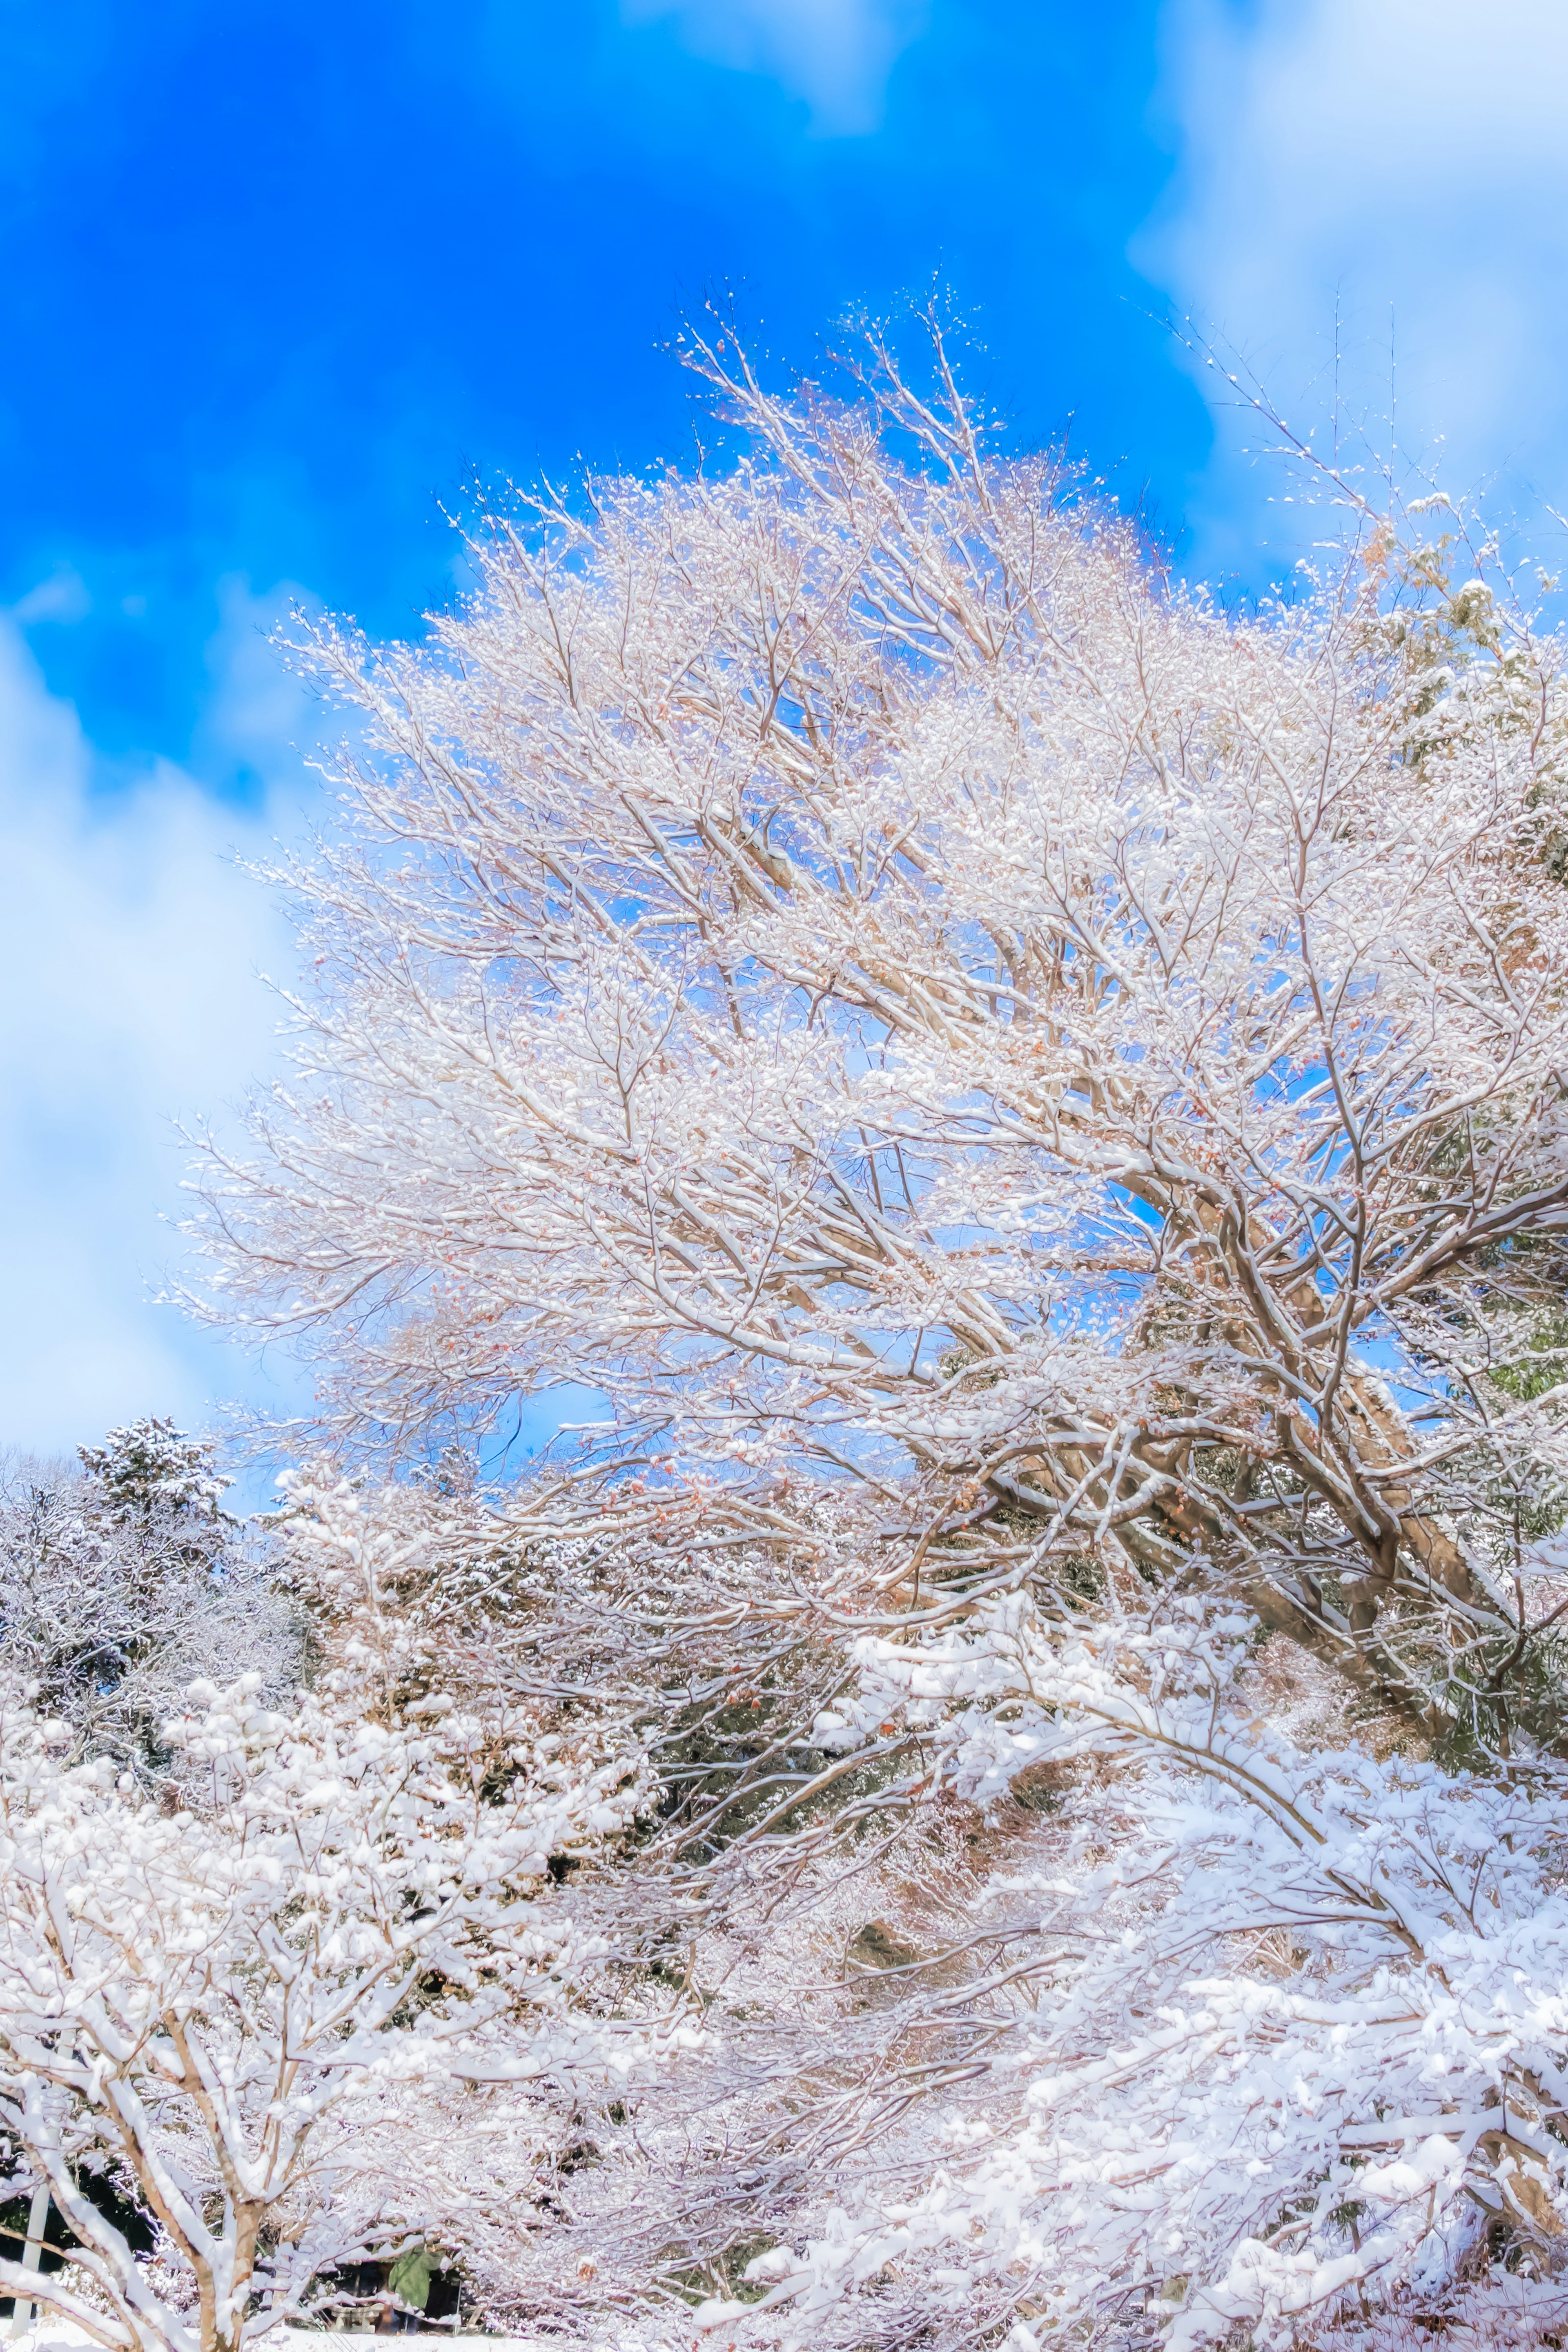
{"x": 222, "y": 2003}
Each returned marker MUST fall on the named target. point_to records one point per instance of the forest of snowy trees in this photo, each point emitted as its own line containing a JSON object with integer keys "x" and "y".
{"x": 1003, "y": 1781}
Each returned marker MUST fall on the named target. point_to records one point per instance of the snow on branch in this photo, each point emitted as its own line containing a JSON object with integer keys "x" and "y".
{"x": 1039, "y": 1109}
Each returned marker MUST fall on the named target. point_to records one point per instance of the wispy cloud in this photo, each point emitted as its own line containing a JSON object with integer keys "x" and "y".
{"x": 1407, "y": 160}
{"x": 130, "y": 947}
{"x": 835, "y": 54}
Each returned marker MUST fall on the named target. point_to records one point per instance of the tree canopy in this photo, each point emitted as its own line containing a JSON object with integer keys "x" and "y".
{"x": 1036, "y": 1109}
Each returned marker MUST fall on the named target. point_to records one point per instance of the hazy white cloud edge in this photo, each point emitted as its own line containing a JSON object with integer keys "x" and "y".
{"x": 130, "y": 955}
{"x": 1408, "y": 158}
{"x": 835, "y": 54}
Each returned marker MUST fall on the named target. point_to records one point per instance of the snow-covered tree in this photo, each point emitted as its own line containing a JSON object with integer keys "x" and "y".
{"x": 124, "y": 1580}
{"x": 1042, "y": 1106}
{"x": 243, "y": 2006}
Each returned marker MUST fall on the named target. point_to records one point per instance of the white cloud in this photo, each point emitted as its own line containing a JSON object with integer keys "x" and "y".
{"x": 129, "y": 955}
{"x": 63, "y": 596}
{"x": 258, "y": 715}
{"x": 835, "y": 54}
{"x": 1403, "y": 155}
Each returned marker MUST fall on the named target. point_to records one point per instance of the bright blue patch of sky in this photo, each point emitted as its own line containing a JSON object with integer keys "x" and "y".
{"x": 278, "y": 277}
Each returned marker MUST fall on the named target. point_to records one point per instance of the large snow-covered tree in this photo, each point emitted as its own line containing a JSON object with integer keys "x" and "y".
{"x": 1041, "y": 1105}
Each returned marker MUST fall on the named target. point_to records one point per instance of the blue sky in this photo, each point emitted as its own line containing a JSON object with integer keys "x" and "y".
{"x": 281, "y": 273}
{"x": 277, "y": 280}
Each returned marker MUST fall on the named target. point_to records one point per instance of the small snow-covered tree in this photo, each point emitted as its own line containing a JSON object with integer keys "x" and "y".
{"x": 123, "y": 1580}
{"x": 1042, "y": 1107}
